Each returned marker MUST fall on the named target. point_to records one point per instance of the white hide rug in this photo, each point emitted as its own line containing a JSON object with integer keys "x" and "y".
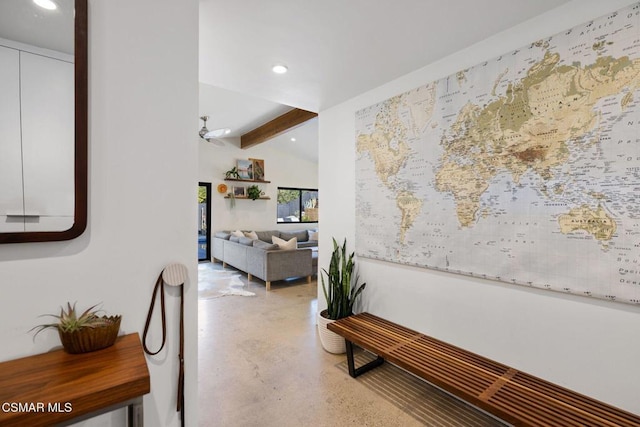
{"x": 214, "y": 283}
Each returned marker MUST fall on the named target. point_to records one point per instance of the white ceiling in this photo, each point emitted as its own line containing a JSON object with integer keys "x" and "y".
{"x": 335, "y": 49}
{"x": 24, "y": 22}
{"x": 242, "y": 113}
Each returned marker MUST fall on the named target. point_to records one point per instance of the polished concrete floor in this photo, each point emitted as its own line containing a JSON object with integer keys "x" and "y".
{"x": 261, "y": 364}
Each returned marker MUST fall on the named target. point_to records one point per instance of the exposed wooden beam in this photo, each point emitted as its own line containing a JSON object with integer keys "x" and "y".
{"x": 275, "y": 127}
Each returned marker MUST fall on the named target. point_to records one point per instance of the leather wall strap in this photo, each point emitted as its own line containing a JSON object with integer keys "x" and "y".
{"x": 160, "y": 288}
{"x": 181, "y": 358}
{"x": 150, "y": 314}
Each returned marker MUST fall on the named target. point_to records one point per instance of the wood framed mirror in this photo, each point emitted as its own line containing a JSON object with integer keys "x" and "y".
{"x": 44, "y": 132}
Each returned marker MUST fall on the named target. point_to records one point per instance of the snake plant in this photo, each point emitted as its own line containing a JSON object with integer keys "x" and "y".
{"x": 341, "y": 289}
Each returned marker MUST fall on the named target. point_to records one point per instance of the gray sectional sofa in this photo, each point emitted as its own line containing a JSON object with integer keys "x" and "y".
{"x": 264, "y": 260}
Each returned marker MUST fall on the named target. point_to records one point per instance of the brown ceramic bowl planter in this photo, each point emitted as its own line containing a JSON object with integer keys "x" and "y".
{"x": 86, "y": 340}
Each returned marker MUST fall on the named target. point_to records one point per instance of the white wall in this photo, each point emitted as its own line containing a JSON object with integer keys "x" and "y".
{"x": 282, "y": 168}
{"x": 589, "y": 346}
{"x": 143, "y": 106}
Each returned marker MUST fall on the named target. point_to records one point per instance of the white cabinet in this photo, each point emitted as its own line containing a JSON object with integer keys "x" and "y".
{"x": 47, "y": 141}
{"x": 11, "y": 200}
{"x": 40, "y": 158}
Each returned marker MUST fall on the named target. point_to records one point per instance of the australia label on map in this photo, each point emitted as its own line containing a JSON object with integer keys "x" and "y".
{"x": 524, "y": 168}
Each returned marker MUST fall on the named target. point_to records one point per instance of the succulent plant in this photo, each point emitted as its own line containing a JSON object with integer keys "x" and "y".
{"x": 70, "y": 321}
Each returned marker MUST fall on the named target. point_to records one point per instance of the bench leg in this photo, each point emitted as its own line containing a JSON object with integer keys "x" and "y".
{"x": 353, "y": 371}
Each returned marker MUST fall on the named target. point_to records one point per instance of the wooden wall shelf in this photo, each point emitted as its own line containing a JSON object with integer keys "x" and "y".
{"x": 247, "y": 180}
{"x": 246, "y": 198}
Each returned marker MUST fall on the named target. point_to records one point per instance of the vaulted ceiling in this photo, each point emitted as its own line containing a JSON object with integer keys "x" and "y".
{"x": 334, "y": 49}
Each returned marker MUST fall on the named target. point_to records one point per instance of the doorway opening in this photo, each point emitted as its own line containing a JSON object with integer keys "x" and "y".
{"x": 204, "y": 221}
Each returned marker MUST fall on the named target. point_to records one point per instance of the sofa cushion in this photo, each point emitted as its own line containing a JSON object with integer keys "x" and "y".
{"x": 265, "y": 236}
{"x": 234, "y": 239}
{"x": 309, "y": 244}
{"x": 245, "y": 241}
{"x": 301, "y": 235}
{"x": 222, "y": 235}
{"x": 252, "y": 235}
{"x": 237, "y": 233}
{"x": 285, "y": 244}
{"x": 264, "y": 245}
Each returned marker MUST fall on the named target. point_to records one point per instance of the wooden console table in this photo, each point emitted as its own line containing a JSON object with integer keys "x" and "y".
{"x": 61, "y": 388}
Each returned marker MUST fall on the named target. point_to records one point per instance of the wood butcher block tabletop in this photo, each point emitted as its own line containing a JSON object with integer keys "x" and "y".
{"x": 55, "y": 387}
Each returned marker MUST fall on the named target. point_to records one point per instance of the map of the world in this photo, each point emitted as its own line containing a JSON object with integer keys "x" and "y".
{"x": 524, "y": 168}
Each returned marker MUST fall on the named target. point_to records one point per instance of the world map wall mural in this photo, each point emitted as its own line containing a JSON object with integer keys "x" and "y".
{"x": 524, "y": 168}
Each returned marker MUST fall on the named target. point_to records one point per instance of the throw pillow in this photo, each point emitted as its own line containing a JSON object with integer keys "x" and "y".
{"x": 237, "y": 233}
{"x": 222, "y": 235}
{"x": 264, "y": 245}
{"x": 245, "y": 241}
{"x": 313, "y": 236}
{"x": 252, "y": 235}
{"x": 266, "y": 235}
{"x": 285, "y": 244}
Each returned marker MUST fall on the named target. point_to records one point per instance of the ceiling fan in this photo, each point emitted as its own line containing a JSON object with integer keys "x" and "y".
{"x": 213, "y": 135}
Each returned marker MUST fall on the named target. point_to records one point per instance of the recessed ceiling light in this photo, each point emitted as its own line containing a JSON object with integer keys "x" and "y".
{"x": 46, "y": 4}
{"x": 293, "y": 140}
{"x": 280, "y": 69}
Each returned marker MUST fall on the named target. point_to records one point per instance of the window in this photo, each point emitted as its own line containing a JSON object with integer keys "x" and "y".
{"x": 297, "y": 205}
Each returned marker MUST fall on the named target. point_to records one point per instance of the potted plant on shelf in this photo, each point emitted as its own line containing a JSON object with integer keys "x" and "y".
{"x": 232, "y": 173}
{"x": 341, "y": 291}
{"x": 232, "y": 198}
{"x": 253, "y": 192}
{"x": 83, "y": 333}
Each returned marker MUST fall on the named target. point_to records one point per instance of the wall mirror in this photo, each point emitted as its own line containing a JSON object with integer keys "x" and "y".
{"x": 43, "y": 120}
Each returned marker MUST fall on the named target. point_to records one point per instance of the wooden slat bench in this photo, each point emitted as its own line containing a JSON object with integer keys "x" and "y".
{"x": 516, "y": 397}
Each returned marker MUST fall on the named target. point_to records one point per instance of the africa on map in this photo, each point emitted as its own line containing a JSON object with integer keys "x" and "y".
{"x": 524, "y": 168}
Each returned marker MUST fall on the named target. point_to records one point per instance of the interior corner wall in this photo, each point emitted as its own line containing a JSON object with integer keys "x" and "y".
{"x": 143, "y": 106}
{"x": 281, "y": 168}
{"x": 590, "y": 346}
